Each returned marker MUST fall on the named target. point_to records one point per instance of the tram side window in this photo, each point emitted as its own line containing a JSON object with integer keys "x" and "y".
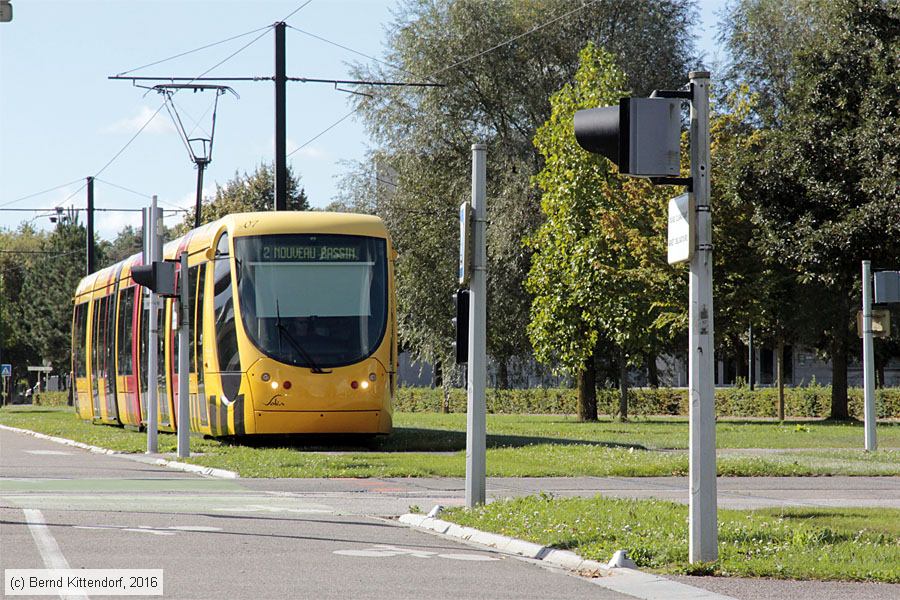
{"x": 226, "y": 337}
{"x": 110, "y": 337}
{"x": 126, "y": 315}
{"x": 98, "y": 352}
{"x": 79, "y": 338}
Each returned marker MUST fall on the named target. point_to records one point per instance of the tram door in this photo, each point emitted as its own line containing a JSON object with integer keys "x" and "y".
{"x": 81, "y": 382}
{"x": 126, "y": 379}
{"x": 199, "y": 409}
{"x": 164, "y": 366}
{"x": 221, "y": 357}
{"x": 98, "y": 310}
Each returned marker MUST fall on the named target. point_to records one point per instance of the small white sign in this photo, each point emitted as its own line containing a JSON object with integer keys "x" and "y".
{"x": 681, "y": 228}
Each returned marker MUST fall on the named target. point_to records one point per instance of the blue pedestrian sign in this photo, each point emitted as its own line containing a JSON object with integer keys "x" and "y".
{"x": 6, "y": 370}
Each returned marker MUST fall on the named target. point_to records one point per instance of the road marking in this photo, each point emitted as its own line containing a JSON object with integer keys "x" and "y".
{"x": 273, "y": 509}
{"x": 385, "y": 550}
{"x": 153, "y": 530}
{"x": 49, "y": 452}
{"x": 50, "y": 553}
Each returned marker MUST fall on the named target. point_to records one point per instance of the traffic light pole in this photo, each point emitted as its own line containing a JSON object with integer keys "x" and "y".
{"x": 151, "y": 255}
{"x": 476, "y": 429}
{"x": 703, "y": 516}
{"x": 868, "y": 358}
{"x": 184, "y": 426}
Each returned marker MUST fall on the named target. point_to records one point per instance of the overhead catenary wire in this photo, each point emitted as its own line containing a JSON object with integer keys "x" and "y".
{"x": 348, "y": 49}
{"x": 179, "y": 55}
{"x": 123, "y": 188}
{"x": 296, "y": 10}
{"x": 447, "y": 68}
{"x": 144, "y": 126}
{"x": 26, "y": 197}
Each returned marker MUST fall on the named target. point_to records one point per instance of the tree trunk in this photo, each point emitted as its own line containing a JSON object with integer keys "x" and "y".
{"x": 503, "y": 374}
{"x": 623, "y": 387}
{"x": 437, "y": 377}
{"x": 445, "y": 402}
{"x": 879, "y": 376}
{"x": 587, "y": 391}
{"x": 779, "y": 376}
{"x": 652, "y": 370}
{"x": 839, "y": 405}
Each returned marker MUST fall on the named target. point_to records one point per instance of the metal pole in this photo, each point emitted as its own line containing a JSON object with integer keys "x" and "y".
{"x": 201, "y": 167}
{"x": 151, "y": 256}
{"x": 90, "y": 225}
{"x": 751, "y": 368}
{"x": 476, "y": 429}
{"x": 184, "y": 426}
{"x": 280, "y": 120}
{"x": 703, "y": 517}
{"x": 868, "y": 357}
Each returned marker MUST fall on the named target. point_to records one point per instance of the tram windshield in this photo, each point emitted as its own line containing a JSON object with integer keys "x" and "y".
{"x": 313, "y": 300}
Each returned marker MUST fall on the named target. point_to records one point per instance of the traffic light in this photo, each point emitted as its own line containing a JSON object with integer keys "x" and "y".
{"x": 158, "y": 277}
{"x": 461, "y": 324}
{"x": 641, "y": 135}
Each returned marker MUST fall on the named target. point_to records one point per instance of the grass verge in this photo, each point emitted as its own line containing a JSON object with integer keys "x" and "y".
{"x": 427, "y": 445}
{"x": 828, "y": 544}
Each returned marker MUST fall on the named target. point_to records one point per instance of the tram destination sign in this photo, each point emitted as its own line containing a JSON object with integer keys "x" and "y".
{"x": 275, "y": 251}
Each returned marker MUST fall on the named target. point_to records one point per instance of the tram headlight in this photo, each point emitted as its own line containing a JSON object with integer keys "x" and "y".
{"x": 364, "y": 384}
{"x": 274, "y": 385}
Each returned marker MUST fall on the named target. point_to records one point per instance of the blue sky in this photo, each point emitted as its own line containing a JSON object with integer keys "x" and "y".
{"x": 61, "y": 119}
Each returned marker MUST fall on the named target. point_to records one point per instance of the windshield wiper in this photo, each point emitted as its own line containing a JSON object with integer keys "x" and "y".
{"x": 282, "y": 330}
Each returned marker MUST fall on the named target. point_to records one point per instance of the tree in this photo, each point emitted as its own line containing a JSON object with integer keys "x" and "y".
{"x": 599, "y": 264}
{"x": 248, "y": 193}
{"x": 825, "y": 182}
{"x": 500, "y": 98}
{"x": 21, "y": 252}
{"x": 47, "y": 291}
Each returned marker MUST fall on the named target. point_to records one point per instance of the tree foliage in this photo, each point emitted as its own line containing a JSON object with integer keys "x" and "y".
{"x": 825, "y": 180}
{"x": 500, "y": 97}
{"x": 599, "y": 266}
{"x": 249, "y": 192}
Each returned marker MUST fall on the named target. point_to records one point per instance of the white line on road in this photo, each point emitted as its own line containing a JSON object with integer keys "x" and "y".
{"x": 47, "y": 546}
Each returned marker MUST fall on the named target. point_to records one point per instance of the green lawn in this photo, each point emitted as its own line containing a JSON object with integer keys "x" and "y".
{"x": 426, "y": 444}
{"x": 842, "y": 544}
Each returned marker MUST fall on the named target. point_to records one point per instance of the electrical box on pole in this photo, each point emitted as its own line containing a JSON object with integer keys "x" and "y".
{"x": 466, "y": 241}
{"x": 642, "y": 137}
{"x": 158, "y": 277}
{"x": 887, "y": 287}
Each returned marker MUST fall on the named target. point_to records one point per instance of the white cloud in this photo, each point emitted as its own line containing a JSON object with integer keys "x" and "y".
{"x": 159, "y": 124}
{"x": 108, "y": 224}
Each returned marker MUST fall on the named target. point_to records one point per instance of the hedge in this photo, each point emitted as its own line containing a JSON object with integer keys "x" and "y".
{"x": 51, "y": 399}
{"x": 810, "y": 401}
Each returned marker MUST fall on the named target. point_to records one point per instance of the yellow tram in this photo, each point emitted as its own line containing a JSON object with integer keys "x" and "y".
{"x": 293, "y": 330}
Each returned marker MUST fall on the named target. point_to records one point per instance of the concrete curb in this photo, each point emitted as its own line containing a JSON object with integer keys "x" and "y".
{"x": 632, "y": 582}
{"x": 147, "y": 460}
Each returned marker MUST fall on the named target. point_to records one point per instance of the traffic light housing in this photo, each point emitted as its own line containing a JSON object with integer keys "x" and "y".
{"x": 158, "y": 277}
{"x": 642, "y": 136}
{"x": 461, "y": 324}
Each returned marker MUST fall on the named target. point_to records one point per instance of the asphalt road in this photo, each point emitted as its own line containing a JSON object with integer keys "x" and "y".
{"x": 330, "y": 538}
{"x": 219, "y": 539}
